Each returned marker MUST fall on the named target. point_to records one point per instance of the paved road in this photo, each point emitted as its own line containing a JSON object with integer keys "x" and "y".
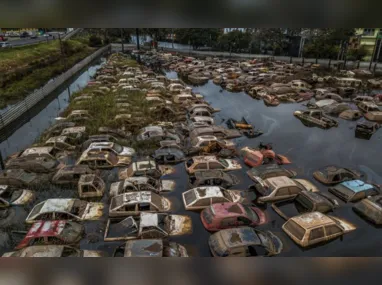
{"x": 16, "y": 41}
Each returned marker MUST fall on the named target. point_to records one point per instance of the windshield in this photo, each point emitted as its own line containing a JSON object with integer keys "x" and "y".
{"x": 207, "y": 215}
{"x": 130, "y": 171}
{"x": 343, "y": 192}
{"x": 304, "y": 202}
{"x": 157, "y": 201}
{"x": 224, "y": 162}
{"x": 218, "y": 246}
{"x": 190, "y": 197}
{"x": 78, "y": 208}
{"x": 295, "y": 229}
{"x": 117, "y": 148}
{"x": 251, "y": 214}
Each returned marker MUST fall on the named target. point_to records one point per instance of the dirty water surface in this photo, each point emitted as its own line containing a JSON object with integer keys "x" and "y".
{"x": 308, "y": 148}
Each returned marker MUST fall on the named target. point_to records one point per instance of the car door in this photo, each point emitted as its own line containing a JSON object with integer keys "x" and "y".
{"x": 333, "y": 231}
{"x": 316, "y": 235}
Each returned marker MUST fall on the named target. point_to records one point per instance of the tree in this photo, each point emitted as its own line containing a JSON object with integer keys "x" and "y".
{"x": 197, "y": 37}
{"x": 235, "y": 41}
{"x": 357, "y": 54}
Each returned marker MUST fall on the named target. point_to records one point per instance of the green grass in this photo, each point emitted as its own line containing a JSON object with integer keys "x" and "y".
{"x": 24, "y": 69}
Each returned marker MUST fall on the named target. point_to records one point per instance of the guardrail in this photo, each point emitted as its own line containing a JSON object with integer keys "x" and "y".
{"x": 22, "y": 107}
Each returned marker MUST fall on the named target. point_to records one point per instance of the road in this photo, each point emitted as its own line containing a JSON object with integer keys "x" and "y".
{"x": 16, "y": 41}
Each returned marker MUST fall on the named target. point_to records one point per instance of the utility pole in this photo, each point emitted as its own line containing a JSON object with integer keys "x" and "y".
{"x": 372, "y": 57}
{"x": 379, "y": 50}
{"x": 172, "y": 37}
{"x": 59, "y": 38}
{"x": 138, "y": 47}
{"x": 123, "y": 48}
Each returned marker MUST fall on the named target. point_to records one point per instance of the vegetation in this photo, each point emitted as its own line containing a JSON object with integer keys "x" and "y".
{"x": 24, "y": 69}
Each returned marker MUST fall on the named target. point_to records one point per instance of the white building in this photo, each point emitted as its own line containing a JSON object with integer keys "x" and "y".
{"x": 227, "y": 30}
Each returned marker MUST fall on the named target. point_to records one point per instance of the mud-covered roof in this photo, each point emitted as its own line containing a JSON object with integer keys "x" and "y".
{"x": 199, "y": 159}
{"x": 281, "y": 181}
{"x": 59, "y": 139}
{"x": 357, "y": 185}
{"x": 144, "y": 248}
{"x": 207, "y": 192}
{"x": 42, "y": 251}
{"x": 210, "y": 174}
{"x": 37, "y": 150}
{"x": 312, "y": 220}
{"x": 56, "y": 205}
{"x": 240, "y": 237}
{"x": 73, "y": 130}
{"x": 227, "y": 210}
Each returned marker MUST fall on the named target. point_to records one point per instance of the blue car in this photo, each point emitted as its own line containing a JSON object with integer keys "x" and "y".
{"x": 354, "y": 190}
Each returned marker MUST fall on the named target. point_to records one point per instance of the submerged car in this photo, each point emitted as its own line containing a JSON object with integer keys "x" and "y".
{"x": 355, "y": 190}
{"x": 352, "y": 115}
{"x": 305, "y": 202}
{"x": 10, "y": 196}
{"x": 156, "y": 133}
{"x": 65, "y": 209}
{"x": 217, "y": 131}
{"x": 212, "y": 178}
{"x": 118, "y": 150}
{"x": 33, "y": 164}
{"x": 231, "y": 215}
{"x": 98, "y": 138}
{"x": 264, "y": 154}
{"x": 147, "y": 225}
{"x": 52, "y": 232}
{"x": 91, "y": 186}
{"x": 370, "y": 209}
{"x": 169, "y": 155}
{"x": 76, "y": 116}
{"x": 244, "y": 242}
{"x": 144, "y": 168}
{"x": 316, "y": 118}
{"x": 102, "y": 160}
{"x": 133, "y": 203}
{"x": 313, "y": 228}
{"x": 366, "y": 129}
{"x": 269, "y": 171}
{"x": 203, "y": 163}
{"x": 281, "y": 188}
{"x": 142, "y": 183}
{"x": 53, "y": 251}
{"x": 21, "y": 178}
{"x": 202, "y": 197}
{"x": 371, "y": 111}
{"x": 331, "y": 175}
{"x": 61, "y": 143}
{"x": 71, "y": 174}
{"x": 150, "y": 248}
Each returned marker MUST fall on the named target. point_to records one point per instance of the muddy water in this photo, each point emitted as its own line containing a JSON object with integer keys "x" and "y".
{"x": 307, "y": 148}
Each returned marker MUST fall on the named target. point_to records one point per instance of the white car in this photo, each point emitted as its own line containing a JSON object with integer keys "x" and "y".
{"x": 111, "y": 146}
{"x": 5, "y": 45}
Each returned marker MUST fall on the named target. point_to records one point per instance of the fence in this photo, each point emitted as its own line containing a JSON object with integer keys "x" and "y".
{"x": 22, "y": 107}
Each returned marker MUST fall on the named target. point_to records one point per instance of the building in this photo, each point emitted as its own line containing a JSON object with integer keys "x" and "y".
{"x": 366, "y": 37}
{"x": 227, "y": 30}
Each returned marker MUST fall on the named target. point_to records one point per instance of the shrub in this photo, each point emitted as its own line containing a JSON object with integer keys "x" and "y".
{"x": 95, "y": 41}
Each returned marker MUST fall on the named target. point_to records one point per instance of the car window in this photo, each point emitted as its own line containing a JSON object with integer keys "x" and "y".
{"x": 87, "y": 189}
{"x": 201, "y": 166}
{"x": 215, "y": 165}
{"x": 359, "y": 196}
{"x": 316, "y": 233}
{"x": 243, "y": 221}
{"x": 282, "y": 192}
{"x": 295, "y": 229}
{"x": 257, "y": 251}
{"x": 203, "y": 202}
{"x": 332, "y": 230}
{"x": 294, "y": 190}
{"x": 219, "y": 200}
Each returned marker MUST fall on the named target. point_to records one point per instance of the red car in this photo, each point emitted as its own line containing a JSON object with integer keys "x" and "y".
{"x": 231, "y": 215}
{"x": 52, "y": 232}
{"x": 256, "y": 157}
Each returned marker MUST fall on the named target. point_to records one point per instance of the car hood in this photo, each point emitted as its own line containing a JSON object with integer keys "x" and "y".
{"x": 93, "y": 253}
{"x": 233, "y": 164}
{"x": 168, "y": 185}
{"x": 180, "y": 225}
{"x": 93, "y": 211}
{"x": 308, "y": 186}
{"x": 127, "y": 151}
{"x": 26, "y": 197}
{"x": 123, "y": 161}
{"x": 347, "y": 227}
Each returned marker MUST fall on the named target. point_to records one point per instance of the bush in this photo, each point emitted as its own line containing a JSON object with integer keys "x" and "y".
{"x": 357, "y": 54}
{"x": 95, "y": 41}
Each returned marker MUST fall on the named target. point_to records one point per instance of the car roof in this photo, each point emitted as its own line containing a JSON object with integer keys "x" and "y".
{"x": 57, "y": 205}
{"x": 143, "y": 165}
{"x": 100, "y": 144}
{"x": 87, "y": 178}
{"x": 149, "y": 219}
{"x": 375, "y": 200}
{"x": 312, "y": 220}
{"x": 46, "y": 228}
{"x": 144, "y": 248}
{"x": 37, "y": 150}
{"x": 42, "y": 251}
{"x": 207, "y": 192}
{"x": 223, "y": 210}
{"x": 135, "y": 197}
{"x": 210, "y": 174}
{"x": 57, "y": 139}
{"x": 198, "y": 159}
{"x": 240, "y": 237}
{"x": 281, "y": 181}
{"x": 357, "y": 185}
{"x": 72, "y": 130}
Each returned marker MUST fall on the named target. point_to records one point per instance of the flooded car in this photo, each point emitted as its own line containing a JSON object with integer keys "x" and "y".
{"x": 34, "y": 164}
{"x": 263, "y": 154}
{"x": 371, "y": 111}
{"x": 316, "y": 118}
{"x": 156, "y": 133}
{"x": 281, "y": 188}
{"x": 269, "y": 171}
{"x": 305, "y": 202}
{"x": 61, "y": 143}
{"x": 351, "y": 115}
{"x": 76, "y": 116}
{"x": 142, "y": 183}
{"x": 91, "y": 186}
{"x": 202, "y": 197}
{"x": 53, "y": 251}
{"x": 52, "y": 232}
{"x": 366, "y": 129}
{"x": 102, "y": 160}
{"x": 213, "y": 178}
{"x": 98, "y": 138}
{"x": 150, "y": 248}
{"x": 217, "y": 131}
{"x": 41, "y": 151}
{"x": 65, "y": 209}
{"x": 370, "y": 209}
{"x": 144, "y": 168}
{"x": 244, "y": 242}
{"x": 21, "y": 178}
{"x": 10, "y": 196}
{"x": 71, "y": 174}
{"x": 331, "y": 175}
{"x": 169, "y": 155}
{"x": 355, "y": 190}
{"x": 313, "y": 228}
{"x": 147, "y": 225}
{"x": 203, "y": 163}
{"x": 133, "y": 203}
{"x": 57, "y": 128}
{"x": 231, "y": 215}
{"x": 244, "y": 127}
{"x": 115, "y": 148}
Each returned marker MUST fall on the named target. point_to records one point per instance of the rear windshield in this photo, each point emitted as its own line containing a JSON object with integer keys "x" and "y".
{"x": 190, "y": 197}
{"x": 304, "y": 202}
{"x": 36, "y": 209}
{"x": 295, "y": 229}
{"x": 207, "y": 215}
{"x": 343, "y": 191}
{"x": 157, "y": 201}
{"x": 251, "y": 213}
